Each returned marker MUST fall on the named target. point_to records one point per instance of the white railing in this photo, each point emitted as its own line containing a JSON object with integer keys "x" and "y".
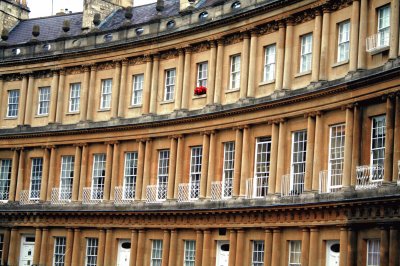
{"x": 377, "y": 41}
{"x": 188, "y": 191}
{"x": 216, "y": 190}
{"x": 329, "y": 183}
{"x": 62, "y": 196}
{"x": 156, "y": 193}
{"x": 398, "y": 172}
{"x": 4, "y": 196}
{"x": 369, "y": 177}
{"x": 292, "y": 185}
{"x": 92, "y": 196}
{"x": 249, "y": 188}
{"x": 29, "y": 197}
{"x": 123, "y": 195}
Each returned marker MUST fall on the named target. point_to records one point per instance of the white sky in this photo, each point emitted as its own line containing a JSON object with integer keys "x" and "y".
{"x": 42, "y": 8}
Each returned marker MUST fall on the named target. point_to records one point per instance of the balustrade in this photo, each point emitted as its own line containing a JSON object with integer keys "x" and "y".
{"x": 369, "y": 176}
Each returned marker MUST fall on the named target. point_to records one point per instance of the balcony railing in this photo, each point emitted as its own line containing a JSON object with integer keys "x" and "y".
{"x": 123, "y": 195}
{"x": 292, "y": 185}
{"x": 4, "y": 196}
{"x": 398, "y": 173}
{"x": 188, "y": 191}
{"x": 257, "y": 187}
{"x": 369, "y": 176}
{"x": 221, "y": 190}
{"x": 61, "y": 196}
{"x": 29, "y": 197}
{"x": 156, "y": 193}
{"x": 92, "y": 196}
{"x": 378, "y": 41}
{"x": 330, "y": 182}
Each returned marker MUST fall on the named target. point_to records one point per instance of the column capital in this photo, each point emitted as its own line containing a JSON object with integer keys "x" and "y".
{"x": 111, "y": 142}
{"x": 93, "y": 67}
{"x": 289, "y": 21}
{"x": 62, "y": 71}
{"x": 86, "y": 68}
{"x": 220, "y": 42}
{"x": 318, "y": 12}
{"x": 326, "y": 8}
{"x": 17, "y": 148}
{"x": 117, "y": 63}
{"x": 213, "y": 44}
{"x": 390, "y": 95}
{"x": 48, "y": 147}
{"x": 246, "y": 33}
{"x": 147, "y": 58}
{"x": 175, "y": 136}
{"x": 267, "y": 230}
{"x": 348, "y": 106}
{"x": 282, "y": 23}
{"x": 156, "y": 57}
{"x": 205, "y": 133}
{"x": 310, "y": 114}
{"x": 27, "y": 73}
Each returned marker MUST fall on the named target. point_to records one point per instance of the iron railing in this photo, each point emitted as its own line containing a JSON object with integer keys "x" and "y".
{"x": 377, "y": 41}
{"x": 60, "y": 196}
{"x": 123, "y": 195}
{"x": 369, "y": 176}
{"x": 92, "y": 196}
{"x": 330, "y": 182}
{"x": 29, "y": 197}
{"x": 292, "y": 185}
{"x": 156, "y": 193}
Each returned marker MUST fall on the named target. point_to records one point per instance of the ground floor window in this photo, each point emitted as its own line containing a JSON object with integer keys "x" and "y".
{"x": 59, "y": 251}
{"x": 294, "y": 253}
{"x": 373, "y": 252}
{"x": 258, "y": 253}
{"x": 156, "y": 253}
{"x": 190, "y": 253}
{"x": 92, "y": 245}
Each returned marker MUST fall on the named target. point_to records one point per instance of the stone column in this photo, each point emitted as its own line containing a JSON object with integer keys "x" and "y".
{"x": 388, "y": 164}
{"x": 91, "y": 92}
{"x": 108, "y": 247}
{"x": 362, "y": 36}
{"x": 305, "y": 246}
{"x": 115, "y": 89}
{"x": 172, "y": 167}
{"x": 206, "y": 248}
{"x": 6, "y": 245}
{"x": 316, "y": 50}
{"x": 199, "y": 247}
{"x": 204, "y": 168}
{"x": 45, "y": 174}
{"x": 287, "y": 73}
{"x": 140, "y": 169}
{"x": 22, "y": 101}
{"x": 179, "y": 166}
{"x": 355, "y": 24}
{"x": 173, "y": 244}
{"x": 84, "y": 165}
{"x": 60, "y": 96}
{"x": 14, "y": 175}
{"x": 146, "y": 168}
{"x": 238, "y": 158}
{"x": 245, "y": 167}
{"x": 166, "y": 247}
{"x": 352, "y": 247}
{"x": 107, "y": 178}
{"x": 29, "y": 100}
{"x": 267, "y": 247}
{"x": 394, "y": 29}
{"x": 115, "y": 170}
{"x": 76, "y": 247}
{"x": 280, "y": 170}
{"x": 394, "y": 247}
{"x": 343, "y": 246}
{"x": 280, "y": 55}
{"x": 396, "y": 142}
{"x": 84, "y": 93}
{"x": 348, "y": 143}
{"x": 21, "y": 173}
{"x": 147, "y": 85}
{"x": 211, "y": 74}
{"x": 274, "y": 155}
{"x": 276, "y": 247}
{"x": 384, "y": 248}
{"x": 154, "y": 84}
{"x": 309, "y": 153}
{"x": 134, "y": 246}
{"x": 186, "y": 89}
{"x": 251, "y": 86}
{"x": 53, "y": 97}
{"x": 244, "y": 66}
{"x": 77, "y": 169}
{"x": 179, "y": 79}
{"x": 69, "y": 247}
{"x": 232, "y": 247}
{"x": 12, "y": 246}
{"x": 52, "y": 174}
{"x": 316, "y": 168}
{"x": 36, "y": 248}
{"x": 323, "y": 67}
{"x": 100, "y": 251}
{"x": 314, "y": 246}
{"x": 357, "y": 127}
{"x": 211, "y": 164}
{"x": 141, "y": 247}
{"x": 240, "y": 247}
{"x": 122, "y": 89}
{"x": 43, "y": 247}
{"x": 218, "y": 72}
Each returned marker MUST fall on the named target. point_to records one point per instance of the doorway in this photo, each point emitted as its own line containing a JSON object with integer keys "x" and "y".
{"x": 124, "y": 252}
{"x": 332, "y": 253}
{"x": 222, "y": 253}
{"x": 27, "y": 249}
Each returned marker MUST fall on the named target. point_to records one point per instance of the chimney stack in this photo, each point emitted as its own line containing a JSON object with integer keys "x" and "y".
{"x": 12, "y": 13}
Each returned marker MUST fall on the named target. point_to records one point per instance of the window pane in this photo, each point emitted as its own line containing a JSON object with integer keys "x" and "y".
{"x": 106, "y": 88}
{"x": 235, "y": 72}
{"x": 74, "y": 97}
{"x": 36, "y": 178}
{"x": 195, "y": 171}
{"x": 190, "y": 253}
{"x": 59, "y": 251}
{"x": 262, "y": 163}
{"x": 169, "y": 84}
{"x": 162, "y": 177}
{"x": 137, "y": 89}
{"x": 130, "y": 174}
{"x": 91, "y": 251}
{"x": 13, "y": 101}
{"x": 5, "y": 178}
{"x": 229, "y": 166}
{"x": 269, "y": 66}
{"x": 44, "y": 101}
{"x": 99, "y": 173}
{"x": 66, "y": 177}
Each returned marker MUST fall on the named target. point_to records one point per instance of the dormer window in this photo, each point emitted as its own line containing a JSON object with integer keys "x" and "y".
{"x": 235, "y": 5}
{"x": 170, "y": 24}
{"x": 108, "y": 37}
{"x": 16, "y": 51}
{"x": 203, "y": 16}
{"x": 46, "y": 47}
{"x": 139, "y": 31}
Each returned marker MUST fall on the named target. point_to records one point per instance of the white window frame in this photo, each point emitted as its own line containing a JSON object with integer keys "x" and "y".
{"x": 36, "y": 178}
{"x": 373, "y": 252}
{"x": 44, "y": 101}
{"x": 5, "y": 179}
{"x": 336, "y": 156}
{"x": 74, "y": 97}
{"x": 92, "y": 248}
{"x": 228, "y": 169}
{"x": 169, "y": 90}
{"x": 12, "y": 103}
{"x": 98, "y": 176}
{"x": 106, "y": 90}
{"x": 235, "y": 65}
{"x": 262, "y": 167}
{"x": 383, "y": 16}
{"x": 137, "y": 89}
{"x": 59, "y": 251}
{"x": 2, "y": 246}
{"x": 162, "y": 174}
{"x": 66, "y": 177}
{"x": 189, "y": 258}
{"x": 294, "y": 253}
{"x": 343, "y": 41}
{"x": 378, "y": 139}
{"x": 306, "y": 43}
{"x": 196, "y": 157}
{"x": 130, "y": 174}
{"x": 269, "y": 62}
{"x": 156, "y": 252}
{"x": 257, "y": 254}
{"x": 298, "y": 162}
{"x": 202, "y": 74}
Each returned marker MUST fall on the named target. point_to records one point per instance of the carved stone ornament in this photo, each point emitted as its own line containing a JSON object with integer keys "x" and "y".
{"x": 233, "y": 38}
{"x": 12, "y": 77}
{"x": 304, "y": 16}
{"x": 268, "y": 28}
{"x": 170, "y": 54}
{"x": 137, "y": 60}
{"x": 200, "y": 47}
{"x": 105, "y": 65}
{"x": 340, "y": 4}
{"x": 75, "y": 70}
{"x": 43, "y": 74}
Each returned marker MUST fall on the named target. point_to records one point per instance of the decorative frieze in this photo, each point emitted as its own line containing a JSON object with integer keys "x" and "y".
{"x": 138, "y": 60}
{"x": 105, "y": 65}
{"x": 201, "y": 47}
{"x": 233, "y": 38}
{"x": 169, "y": 54}
{"x": 13, "y": 77}
{"x": 75, "y": 70}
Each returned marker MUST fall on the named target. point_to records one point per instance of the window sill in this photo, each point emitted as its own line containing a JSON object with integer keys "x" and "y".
{"x": 301, "y": 74}
{"x": 199, "y": 96}
{"x": 379, "y": 50}
{"x": 232, "y": 90}
{"x": 266, "y": 82}
{"x": 341, "y": 63}
{"x": 104, "y": 110}
{"x": 167, "y": 102}
{"x": 135, "y": 106}
{"x": 11, "y": 118}
{"x": 40, "y": 116}
{"x": 72, "y": 113}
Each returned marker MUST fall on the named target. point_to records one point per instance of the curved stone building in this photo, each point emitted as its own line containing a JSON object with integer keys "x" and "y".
{"x": 202, "y": 132}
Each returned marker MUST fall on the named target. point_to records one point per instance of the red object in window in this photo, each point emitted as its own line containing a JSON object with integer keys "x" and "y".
{"x": 200, "y": 90}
